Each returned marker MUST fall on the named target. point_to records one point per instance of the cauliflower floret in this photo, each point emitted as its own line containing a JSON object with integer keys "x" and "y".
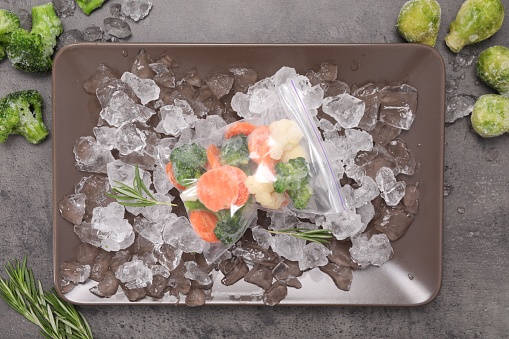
{"x": 296, "y": 152}
{"x": 284, "y": 135}
{"x": 264, "y": 193}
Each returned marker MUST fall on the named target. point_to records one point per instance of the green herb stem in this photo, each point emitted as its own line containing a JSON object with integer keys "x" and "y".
{"x": 135, "y": 195}
{"x": 322, "y": 236}
{"x": 56, "y": 318}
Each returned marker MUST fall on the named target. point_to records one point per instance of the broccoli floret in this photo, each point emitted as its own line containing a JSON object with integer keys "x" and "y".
{"x": 21, "y": 113}
{"x": 228, "y": 227}
{"x": 234, "y": 151}
{"x": 2, "y": 53}
{"x": 9, "y": 22}
{"x": 32, "y": 51}
{"x": 189, "y": 163}
{"x": 88, "y": 6}
{"x": 293, "y": 178}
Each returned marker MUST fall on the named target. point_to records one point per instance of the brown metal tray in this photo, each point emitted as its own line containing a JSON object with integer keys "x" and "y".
{"x": 412, "y": 277}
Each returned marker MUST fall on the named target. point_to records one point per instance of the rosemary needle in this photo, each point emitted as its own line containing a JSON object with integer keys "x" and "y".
{"x": 55, "y": 317}
{"x": 135, "y": 195}
{"x": 322, "y": 236}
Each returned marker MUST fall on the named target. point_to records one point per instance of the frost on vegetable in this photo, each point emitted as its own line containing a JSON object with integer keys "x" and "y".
{"x": 490, "y": 117}
{"x": 419, "y": 21}
{"x": 477, "y": 20}
{"x": 493, "y": 68}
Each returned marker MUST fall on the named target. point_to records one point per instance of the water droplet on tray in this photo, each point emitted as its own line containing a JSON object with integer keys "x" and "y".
{"x": 354, "y": 65}
{"x": 125, "y": 53}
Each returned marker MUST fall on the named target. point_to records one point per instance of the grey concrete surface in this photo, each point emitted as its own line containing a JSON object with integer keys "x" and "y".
{"x": 474, "y": 299}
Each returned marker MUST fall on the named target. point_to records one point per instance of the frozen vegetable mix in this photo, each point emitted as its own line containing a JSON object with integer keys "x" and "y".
{"x": 477, "y": 20}
{"x": 490, "y": 116}
{"x": 419, "y": 21}
{"x": 493, "y": 68}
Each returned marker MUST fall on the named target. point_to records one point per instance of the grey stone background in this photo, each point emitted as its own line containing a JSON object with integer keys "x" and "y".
{"x": 474, "y": 299}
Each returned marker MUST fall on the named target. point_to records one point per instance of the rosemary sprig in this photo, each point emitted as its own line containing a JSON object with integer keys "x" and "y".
{"x": 322, "y": 236}
{"x": 56, "y": 318}
{"x": 134, "y": 196}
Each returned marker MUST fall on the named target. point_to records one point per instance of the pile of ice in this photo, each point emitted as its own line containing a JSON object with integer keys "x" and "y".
{"x": 147, "y": 111}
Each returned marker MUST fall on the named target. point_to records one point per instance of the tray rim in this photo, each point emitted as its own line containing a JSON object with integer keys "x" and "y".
{"x": 145, "y": 300}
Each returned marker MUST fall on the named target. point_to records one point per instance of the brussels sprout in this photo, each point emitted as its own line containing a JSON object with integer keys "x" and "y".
{"x": 476, "y": 21}
{"x": 493, "y": 68}
{"x": 419, "y": 21}
{"x": 490, "y": 116}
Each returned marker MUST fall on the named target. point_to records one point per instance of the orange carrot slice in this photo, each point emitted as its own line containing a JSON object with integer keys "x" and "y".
{"x": 240, "y": 127}
{"x": 217, "y": 190}
{"x": 204, "y": 223}
{"x": 258, "y": 144}
{"x": 213, "y": 156}
{"x": 240, "y": 177}
{"x": 171, "y": 177}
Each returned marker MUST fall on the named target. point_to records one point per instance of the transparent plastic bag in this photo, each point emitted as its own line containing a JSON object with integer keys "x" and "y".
{"x": 210, "y": 174}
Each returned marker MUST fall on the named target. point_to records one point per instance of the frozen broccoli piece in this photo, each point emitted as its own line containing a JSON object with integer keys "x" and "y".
{"x": 21, "y": 113}
{"x": 228, "y": 228}
{"x": 493, "y": 68}
{"x": 419, "y": 21}
{"x": 88, "y": 6}
{"x": 476, "y": 21}
{"x": 234, "y": 151}
{"x": 293, "y": 178}
{"x": 32, "y": 51}
{"x": 9, "y": 22}
{"x": 490, "y": 116}
{"x": 188, "y": 162}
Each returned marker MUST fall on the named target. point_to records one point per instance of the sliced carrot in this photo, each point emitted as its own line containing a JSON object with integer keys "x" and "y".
{"x": 213, "y": 156}
{"x": 239, "y": 127}
{"x": 204, "y": 223}
{"x": 258, "y": 144}
{"x": 217, "y": 190}
{"x": 171, "y": 177}
{"x": 240, "y": 177}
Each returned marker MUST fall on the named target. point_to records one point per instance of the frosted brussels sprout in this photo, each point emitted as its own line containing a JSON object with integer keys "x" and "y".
{"x": 493, "y": 68}
{"x": 490, "y": 116}
{"x": 419, "y": 21}
{"x": 476, "y": 21}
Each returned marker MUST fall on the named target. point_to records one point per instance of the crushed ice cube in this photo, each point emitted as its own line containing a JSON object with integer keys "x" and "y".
{"x": 146, "y": 89}
{"x": 72, "y": 207}
{"x": 288, "y": 246}
{"x": 129, "y": 139}
{"x": 134, "y": 274}
{"x": 108, "y": 228}
{"x": 262, "y": 237}
{"x": 194, "y": 272}
{"x": 179, "y": 233}
{"x": 148, "y": 229}
{"x": 90, "y": 156}
{"x": 398, "y": 106}
{"x": 345, "y": 109}
{"x": 136, "y": 9}
{"x": 392, "y": 191}
{"x": 92, "y": 33}
{"x": 459, "y": 106}
{"x": 122, "y": 109}
{"x": 314, "y": 255}
{"x": 117, "y": 28}
{"x": 344, "y": 224}
{"x": 262, "y": 100}
{"x": 240, "y": 104}
{"x": 172, "y": 121}
{"x": 64, "y": 8}
{"x": 375, "y": 251}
